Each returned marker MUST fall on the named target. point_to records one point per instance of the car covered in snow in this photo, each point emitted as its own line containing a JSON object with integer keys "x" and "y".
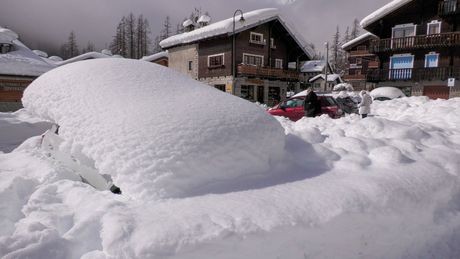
{"x": 293, "y": 108}
{"x": 386, "y": 93}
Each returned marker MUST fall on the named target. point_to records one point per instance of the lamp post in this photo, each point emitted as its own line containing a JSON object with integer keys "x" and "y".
{"x": 327, "y": 66}
{"x": 233, "y": 47}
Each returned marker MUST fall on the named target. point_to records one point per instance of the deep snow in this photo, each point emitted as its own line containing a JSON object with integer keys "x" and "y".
{"x": 382, "y": 187}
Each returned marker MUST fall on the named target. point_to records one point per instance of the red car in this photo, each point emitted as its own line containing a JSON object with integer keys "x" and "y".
{"x": 293, "y": 109}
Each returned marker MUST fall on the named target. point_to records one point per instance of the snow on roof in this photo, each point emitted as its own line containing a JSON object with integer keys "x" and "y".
{"x": 107, "y": 52}
{"x": 21, "y": 61}
{"x": 388, "y": 92}
{"x": 163, "y": 54}
{"x": 85, "y": 56}
{"x": 204, "y": 19}
{"x": 252, "y": 19}
{"x": 382, "y": 12}
{"x": 55, "y": 58}
{"x": 7, "y": 36}
{"x": 40, "y": 53}
{"x": 330, "y": 77}
{"x": 187, "y": 23}
{"x": 343, "y": 87}
{"x": 313, "y": 66}
{"x": 133, "y": 118}
{"x": 358, "y": 40}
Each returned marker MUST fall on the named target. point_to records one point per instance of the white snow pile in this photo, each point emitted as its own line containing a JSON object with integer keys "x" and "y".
{"x": 7, "y": 35}
{"x": 343, "y": 87}
{"x": 383, "y": 11}
{"x": 158, "y": 133}
{"x": 40, "y": 53}
{"x": 387, "y": 92}
{"x": 387, "y": 186}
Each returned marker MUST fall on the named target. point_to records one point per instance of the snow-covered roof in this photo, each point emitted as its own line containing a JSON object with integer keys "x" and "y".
{"x": 107, "y": 52}
{"x": 187, "y": 23}
{"x": 358, "y": 40}
{"x": 7, "y": 36}
{"x": 163, "y": 54}
{"x": 388, "y": 92}
{"x": 55, "y": 58}
{"x": 252, "y": 19}
{"x": 343, "y": 87}
{"x": 129, "y": 105}
{"x": 86, "y": 56}
{"x": 21, "y": 61}
{"x": 384, "y": 11}
{"x": 313, "y": 66}
{"x": 330, "y": 77}
{"x": 40, "y": 53}
{"x": 204, "y": 19}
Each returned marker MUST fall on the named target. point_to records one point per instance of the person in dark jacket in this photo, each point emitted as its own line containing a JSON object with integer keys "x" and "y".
{"x": 311, "y": 105}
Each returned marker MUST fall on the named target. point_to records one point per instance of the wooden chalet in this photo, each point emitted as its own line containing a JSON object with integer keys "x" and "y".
{"x": 360, "y": 60}
{"x": 418, "y": 47}
{"x": 265, "y": 48}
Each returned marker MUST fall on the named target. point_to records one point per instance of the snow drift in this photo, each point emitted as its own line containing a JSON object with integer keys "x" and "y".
{"x": 158, "y": 133}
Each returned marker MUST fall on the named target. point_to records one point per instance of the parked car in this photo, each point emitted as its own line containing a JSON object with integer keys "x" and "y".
{"x": 293, "y": 108}
{"x": 386, "y": 93}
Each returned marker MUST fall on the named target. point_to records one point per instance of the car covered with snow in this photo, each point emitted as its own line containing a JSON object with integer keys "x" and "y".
{"x": 293, "y": 108}
{"x": 130, "y": 120}
{"x": 386, "y": 93}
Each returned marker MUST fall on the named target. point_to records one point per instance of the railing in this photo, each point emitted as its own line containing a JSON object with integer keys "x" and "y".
{"x": 449, "y": 7}
{"x": 373, "y": 64}
{"x": 359, "y": 53}
{"x": 413, "y": 74}
{"x": 10, "y": 96}
{"x": 415, "y": 42}
{"x": 263, "y": 72}
{"x": 354, "y": 77}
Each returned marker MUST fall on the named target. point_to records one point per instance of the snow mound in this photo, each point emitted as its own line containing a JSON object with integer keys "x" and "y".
{"x": 158, "y": 133}
{"x": 40, "y": 53}
{"x": 387, "y": 92}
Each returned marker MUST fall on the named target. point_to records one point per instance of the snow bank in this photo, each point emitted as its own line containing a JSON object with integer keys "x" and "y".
{"x": 157, "y": 132}
{"x": 386, "y": 186}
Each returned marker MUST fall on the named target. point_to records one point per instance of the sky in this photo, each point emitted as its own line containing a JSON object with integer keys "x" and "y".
{"x": 46, "y": 24}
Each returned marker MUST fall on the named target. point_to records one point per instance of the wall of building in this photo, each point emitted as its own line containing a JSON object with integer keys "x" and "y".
{"x": 179, "y": 58}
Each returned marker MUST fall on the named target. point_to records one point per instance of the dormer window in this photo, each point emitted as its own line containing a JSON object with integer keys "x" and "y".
{"x": 257, "y": 38}
{"x": 5, "y": 48}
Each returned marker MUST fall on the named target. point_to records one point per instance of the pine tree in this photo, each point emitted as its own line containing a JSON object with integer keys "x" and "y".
{"x": 119, "y": 43}
{"x": 166, "y": 32}
{"x": 89, "y": 47}
{"x": 335, "y": 47}
{"x": 70, "y": 48}
{"x": 355, "y": 29}
{"x": 131, "y": 35}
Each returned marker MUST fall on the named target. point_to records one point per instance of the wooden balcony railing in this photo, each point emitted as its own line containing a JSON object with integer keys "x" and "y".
{"x": 354, "y": 77}
{"x": 10, "y": 96}
{"x": 449, "y": 7}
{"x": 359, "y": 53}
{"x": 264, "y": 72}
{"x": 413, "y": 74}
{"x": 416, "y": 42}
{"x": 373, "y": 64}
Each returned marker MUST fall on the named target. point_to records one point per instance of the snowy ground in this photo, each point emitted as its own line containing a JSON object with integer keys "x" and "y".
{"x": 383, "y": 187}
{"x": 228, "y": 181}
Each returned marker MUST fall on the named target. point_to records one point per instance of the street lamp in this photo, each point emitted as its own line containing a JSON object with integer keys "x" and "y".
{"x": 233, "y": 47}
{"x": 327, "y": 65}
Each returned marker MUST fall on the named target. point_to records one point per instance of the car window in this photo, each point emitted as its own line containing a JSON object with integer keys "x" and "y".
{"x": 292, "y": 103}
{"x": 327, "y": 101}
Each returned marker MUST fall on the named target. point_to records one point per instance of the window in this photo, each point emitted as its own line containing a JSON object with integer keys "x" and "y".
{"x": 216, "y": 60}
{"x": 254, "y": 60}
{"x": 279, "y": 63}
{"x": 359, "y": 61}
{"x": 401, "y": 66}
{"x": 293, "y": 103}
{"x": 247, "y": 92}
{"x": 272, "y": 43}
{"x": 402, "y": 36}
{"x": 432, "y": 59}
{"x": 190, "y": 65}
{"x": 434, "y": 27}
{"x": 256, "y": 38}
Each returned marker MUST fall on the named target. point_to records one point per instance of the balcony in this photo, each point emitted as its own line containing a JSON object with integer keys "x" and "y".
{"x": 416, "y": 42}
{"x": 413, "y": 74}
{"x": 373, "y": 64}
{"x": 358, "y": 53}
{"x": 264, "y": 72}
{"x": 449, "y": 7}
{"x": 354, "y": 77}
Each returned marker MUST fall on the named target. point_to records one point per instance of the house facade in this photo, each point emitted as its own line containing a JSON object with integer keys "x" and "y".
{"x": 265, "y": 47}
{"x": 360, "y": 61}
{"x": 418, "y": 47}
{"x": 311, "y": 70}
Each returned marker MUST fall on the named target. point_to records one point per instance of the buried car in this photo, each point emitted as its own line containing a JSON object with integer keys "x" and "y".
{"x": 386, "y": 93}
{"x": 293, "y": 108}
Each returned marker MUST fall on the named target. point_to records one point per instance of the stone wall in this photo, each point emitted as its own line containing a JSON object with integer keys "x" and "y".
{"x": 179, "y": 58}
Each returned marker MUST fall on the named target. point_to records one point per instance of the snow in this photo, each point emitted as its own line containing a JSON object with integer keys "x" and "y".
{"x": 204, "y": 19}
{"x": 358, "y": 39}
{"x": 343, "y": 87}
{"x": 163, "y": 54}
{"x": 85, "y": 56}
{"x": 40, "y": 53}
{"x": 383, "y": 11}
{"x": 252, "y": 19}
{"x": 7, "y": 36}
{"x": 330, "y": 77}
{"x": 313, "y": 66}
{"x": 388, "y": 92}
{"x": 187, "y": 23}
{"x": 55, "y": 58}
{"x": 107, "y": 52}
{"x": 382, "y": 187}
{"x": 109, "y": 107}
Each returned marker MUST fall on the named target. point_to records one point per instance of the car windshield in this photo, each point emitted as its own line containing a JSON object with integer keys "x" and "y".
{"x": 292, "y": 103}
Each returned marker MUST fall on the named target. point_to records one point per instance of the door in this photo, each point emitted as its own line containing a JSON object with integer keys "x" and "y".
{"x": 260, "y": 94}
